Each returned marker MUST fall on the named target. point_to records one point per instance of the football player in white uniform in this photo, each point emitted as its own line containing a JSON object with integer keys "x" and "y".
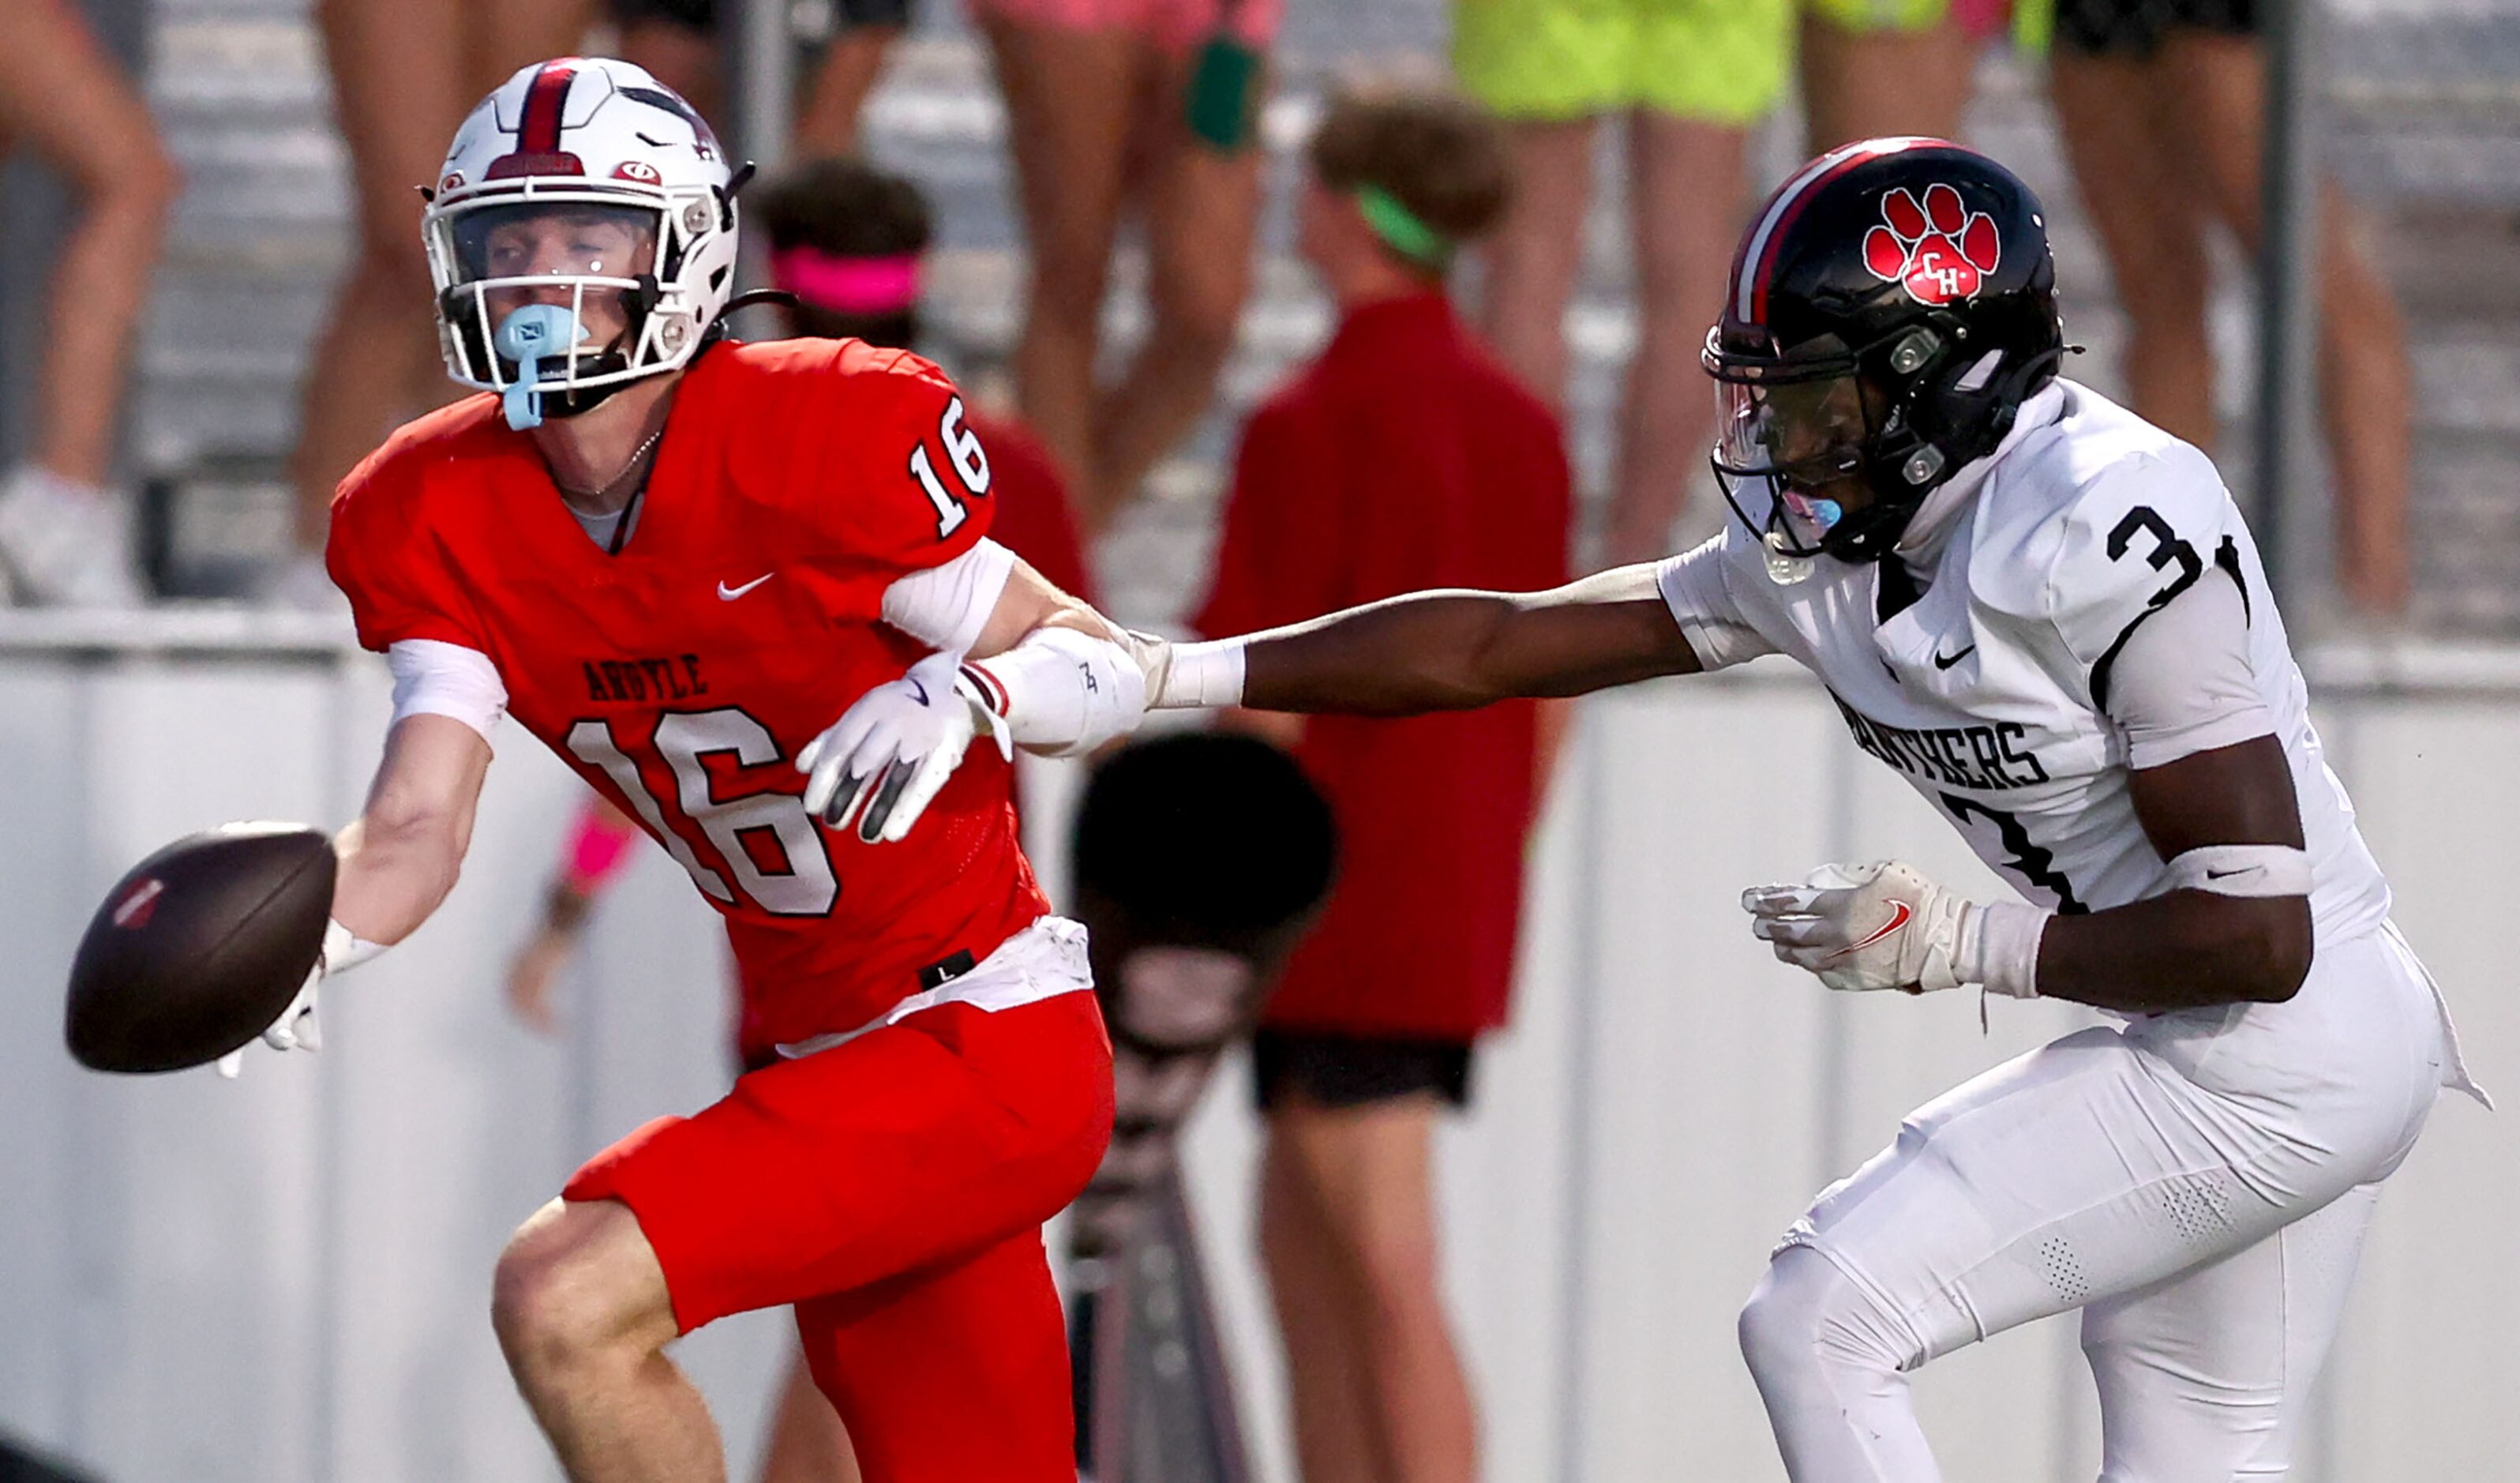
{"x": 2047, "y": 615}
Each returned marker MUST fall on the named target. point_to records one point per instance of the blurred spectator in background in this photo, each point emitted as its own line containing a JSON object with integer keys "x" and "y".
{"x": 65, "y": 537}
{"x": 404, "y": 72}
{"x": 678, "y": 40}
{"x": 1872, "y": 69}
{"x": 848, "y": 241}
{"x": 1405, "y": 457}
{"x": 2163, "y": 108}
{"x": 1116, "y": 106}
{"x": 1683, "y": 79}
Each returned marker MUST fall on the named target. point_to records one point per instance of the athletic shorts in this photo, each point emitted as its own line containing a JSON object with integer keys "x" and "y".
{"x": 2136, "y": 27}
{"x": 916, "y": 1144}
{"x": 1712, "y": 60}
{"x": 1354, "y": 1070}
{"x": 1175, "y": 26}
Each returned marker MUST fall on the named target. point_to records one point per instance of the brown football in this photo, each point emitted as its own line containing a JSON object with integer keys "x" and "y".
{"x": 199, "y": 948}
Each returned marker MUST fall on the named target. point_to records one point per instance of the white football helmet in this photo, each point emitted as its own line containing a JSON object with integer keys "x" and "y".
{"x": 580, "y": 196}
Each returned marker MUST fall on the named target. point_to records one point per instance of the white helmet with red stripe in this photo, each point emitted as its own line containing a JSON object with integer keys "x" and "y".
{"x": 588, "y": 188}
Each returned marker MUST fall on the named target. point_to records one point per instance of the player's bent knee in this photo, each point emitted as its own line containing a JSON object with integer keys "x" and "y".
{"x": 1806, "y": 1318}
{"x": 578, "y": 1286}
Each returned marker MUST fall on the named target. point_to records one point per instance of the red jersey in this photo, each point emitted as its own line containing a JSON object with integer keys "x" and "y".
{"x": 1405, "y": 458}
{"x": 794, "y": 482}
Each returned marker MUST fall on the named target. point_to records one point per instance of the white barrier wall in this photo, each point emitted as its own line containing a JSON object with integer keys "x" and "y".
{"x": 285, "y": 1279}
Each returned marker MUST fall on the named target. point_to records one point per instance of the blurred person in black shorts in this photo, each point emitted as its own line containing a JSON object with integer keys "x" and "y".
{"x": 678, "y": 41}
{"x": 1406, "y": 455}
{"x": 2163, "y": 107}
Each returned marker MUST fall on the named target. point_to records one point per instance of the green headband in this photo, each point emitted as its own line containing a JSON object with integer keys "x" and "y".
{"x": 1400, "y": 230}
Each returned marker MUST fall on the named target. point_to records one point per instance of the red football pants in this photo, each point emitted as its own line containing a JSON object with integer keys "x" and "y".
{"x": 893, "y": 1189}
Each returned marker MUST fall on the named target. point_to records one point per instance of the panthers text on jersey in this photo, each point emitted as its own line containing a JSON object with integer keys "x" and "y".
{"x": 1988, "y": 690}
{"x": 794, "y": 482}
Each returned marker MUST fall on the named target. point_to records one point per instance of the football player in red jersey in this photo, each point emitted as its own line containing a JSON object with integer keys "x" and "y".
{"x": 677, "y": 559}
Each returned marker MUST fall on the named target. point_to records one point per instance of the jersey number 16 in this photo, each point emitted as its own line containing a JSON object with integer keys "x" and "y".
{"x": 804, "y": 887}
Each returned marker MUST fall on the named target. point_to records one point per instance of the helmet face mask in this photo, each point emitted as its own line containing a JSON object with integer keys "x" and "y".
{"x": 586, "y": 186}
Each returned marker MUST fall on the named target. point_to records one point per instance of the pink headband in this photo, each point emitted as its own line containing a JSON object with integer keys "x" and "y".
{"x": 847, "y": 285}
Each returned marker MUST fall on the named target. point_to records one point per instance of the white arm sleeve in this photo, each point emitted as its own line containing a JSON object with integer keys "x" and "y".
{"x": 432, "y": 678}
{"x": 2181, "y": 683}
{"x": 1692, "y": 584}
{"x": 946, "y": 607}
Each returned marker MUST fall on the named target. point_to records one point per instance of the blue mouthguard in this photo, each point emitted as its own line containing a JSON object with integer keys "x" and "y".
{"x": 528, "y": 336}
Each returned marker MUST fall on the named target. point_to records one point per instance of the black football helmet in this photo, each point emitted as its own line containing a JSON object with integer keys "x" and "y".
{"x": 1891, "y": 307}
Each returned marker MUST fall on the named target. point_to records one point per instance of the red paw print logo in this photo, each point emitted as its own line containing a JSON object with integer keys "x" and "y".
{"x": 1940, "y": 252}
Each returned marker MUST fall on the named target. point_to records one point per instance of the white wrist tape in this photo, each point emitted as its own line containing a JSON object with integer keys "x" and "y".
{"x": 1062, "y": 692}
{"x": 1998, "y": 948}
{"x": 2242, "y": 870}
{"x": 344, "y": 950}
{"x": 1199, "y": 675}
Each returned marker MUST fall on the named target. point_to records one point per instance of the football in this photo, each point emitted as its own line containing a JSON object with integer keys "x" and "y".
{"x": 199, "y": 948}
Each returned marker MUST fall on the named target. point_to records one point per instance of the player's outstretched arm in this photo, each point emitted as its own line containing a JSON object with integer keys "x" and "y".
{"x": 1018, "y": 660}
{"x": 1436, "y": 650}
{"x": 398, "y": 858}
{"x": 402, "y": 854}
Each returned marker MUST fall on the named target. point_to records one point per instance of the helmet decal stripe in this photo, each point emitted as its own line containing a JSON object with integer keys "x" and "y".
{"x": 538, "y": 128}
{"x": 1758, "y": 251}
{"x": 538, "y": 131}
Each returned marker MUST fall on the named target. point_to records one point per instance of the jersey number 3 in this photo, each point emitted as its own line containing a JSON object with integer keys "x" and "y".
{"x": 803, "y": 886}
{"x": 970, "y": 467}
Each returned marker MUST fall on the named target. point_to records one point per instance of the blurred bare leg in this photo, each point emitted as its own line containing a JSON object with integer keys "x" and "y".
{"x": 827, "y": 125}
{"x": 1536, "y": 251}
{"x": 1372, "y": 1177}
{"x": 2151, "y": 219}
{"x": 1069, "y": 95}
{"x": 1686, "y": 197}
{"x": 2366, "y": 385}
{"x": 1201, "y": 205}
{"x": 1338, "y": 1434}
{"x": 1866, "y": 84}
{"x": 807, "y": 1442}
{"x": 63, "y": 94}
{"x": 397, "y": 88}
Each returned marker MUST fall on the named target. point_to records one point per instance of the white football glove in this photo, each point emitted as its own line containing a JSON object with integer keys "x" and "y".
{"x": 297, "y": 1028}
{"x": 896, "y": 748}
{"x": 1884, "y": 926}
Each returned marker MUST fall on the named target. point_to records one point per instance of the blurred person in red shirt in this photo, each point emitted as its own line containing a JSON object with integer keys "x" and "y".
{"x": 1405, "y": 456}
{"x": 849, "y": 240}
{"x": 2163, "y": 107}
{"x": 852, "y": 240}
{"x": 64, "y": 538}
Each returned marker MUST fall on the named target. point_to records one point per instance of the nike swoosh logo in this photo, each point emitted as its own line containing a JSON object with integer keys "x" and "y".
{"x": 726, "y": 593}
{"x": 2227, "y": 874}
{"x": 1942, "y": 664}
{"x": 1899, "y": 914}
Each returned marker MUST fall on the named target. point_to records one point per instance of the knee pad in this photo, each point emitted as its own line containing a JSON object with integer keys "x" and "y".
{"x": 1806, "y": 1314}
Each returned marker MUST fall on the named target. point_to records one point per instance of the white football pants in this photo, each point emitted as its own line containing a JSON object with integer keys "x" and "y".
{"x": 2197, "y": 1183}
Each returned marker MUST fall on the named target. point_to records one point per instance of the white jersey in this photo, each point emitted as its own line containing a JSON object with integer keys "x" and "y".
{"x": 1990, "y": 693}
